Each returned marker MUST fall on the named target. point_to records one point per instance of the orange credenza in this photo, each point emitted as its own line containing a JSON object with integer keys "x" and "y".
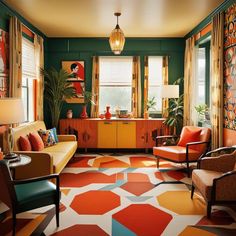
{"x": 113, "y": 133}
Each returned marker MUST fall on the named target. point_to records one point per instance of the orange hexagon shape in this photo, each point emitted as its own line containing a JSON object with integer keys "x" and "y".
{"x": 181, "y": 203}
{"x": 95, "y": 202}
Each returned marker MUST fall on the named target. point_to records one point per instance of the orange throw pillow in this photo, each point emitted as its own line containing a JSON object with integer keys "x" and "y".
{"x": 25, "y": 144}
{"x": 36, "y": 142}
{"x": 188, "y": 136}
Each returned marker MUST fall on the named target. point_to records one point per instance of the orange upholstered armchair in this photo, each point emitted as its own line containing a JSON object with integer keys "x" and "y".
{"x": 215, "y": 177}
{"x": 193, "y": 142}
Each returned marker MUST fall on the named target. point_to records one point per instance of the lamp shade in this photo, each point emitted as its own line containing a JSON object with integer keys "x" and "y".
{"x": 169, "y": 91}
{"x": 11, "y": 111}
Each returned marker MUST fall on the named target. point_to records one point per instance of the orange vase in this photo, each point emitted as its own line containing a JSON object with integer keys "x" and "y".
{"x": 84, "y": 114}
{"x": 108, "y": 113}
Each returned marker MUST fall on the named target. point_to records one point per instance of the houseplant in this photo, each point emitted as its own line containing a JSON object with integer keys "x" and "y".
{"x": 176, "y": 111}
{"x": 150, "y": 104}
{"x": 88, "y": 98}
{"x": 56, "y": 90}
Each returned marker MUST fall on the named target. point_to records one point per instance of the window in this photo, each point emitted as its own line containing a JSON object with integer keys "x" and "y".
{"x": 115, "y": 83}
{"x": 28, "y": 78}
{"x": 203, "y": 74}
{"x": 155, "y": 82}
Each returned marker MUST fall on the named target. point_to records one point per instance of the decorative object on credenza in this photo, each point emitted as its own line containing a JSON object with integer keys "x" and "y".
{"x": 69, "y": 114}
{"x": 117, "y": 38}
{"x": 12, "y": 112}
{"x": 56, "y": 90}
{"x": 88, "y": 98}
{"x": 108, "y": 113}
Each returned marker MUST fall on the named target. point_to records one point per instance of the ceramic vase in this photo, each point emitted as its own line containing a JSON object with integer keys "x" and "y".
{"x": 69, "y": 114}
{"x": 84, "y": 114}
{"x": 108, "y": 113}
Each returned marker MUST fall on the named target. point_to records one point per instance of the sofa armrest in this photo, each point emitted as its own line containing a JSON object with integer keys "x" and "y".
{"x": 66, "y": 138}
{"x": 41, "y": 164}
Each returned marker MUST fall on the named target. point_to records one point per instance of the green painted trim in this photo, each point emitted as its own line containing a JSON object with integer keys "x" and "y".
{"x": 204, "y": 39}
{"x": 10, "y": 12}
{"x": 222, "y": 7}
{"x": 27, "y": 37}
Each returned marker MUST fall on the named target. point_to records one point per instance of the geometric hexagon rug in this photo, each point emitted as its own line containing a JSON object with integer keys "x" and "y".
{"x": 127, "y": 195}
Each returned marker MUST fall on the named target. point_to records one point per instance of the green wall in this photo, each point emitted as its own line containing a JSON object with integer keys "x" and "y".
{"x": 59, "y": 49}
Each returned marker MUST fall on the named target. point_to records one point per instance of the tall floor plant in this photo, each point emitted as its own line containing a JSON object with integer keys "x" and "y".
{"x": 56, "y": 90}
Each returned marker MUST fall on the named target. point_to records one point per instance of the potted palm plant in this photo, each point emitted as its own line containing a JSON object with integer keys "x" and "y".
{"x": 56, "y": 90}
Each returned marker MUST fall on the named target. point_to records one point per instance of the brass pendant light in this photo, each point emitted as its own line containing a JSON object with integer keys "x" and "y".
{"x": 117, "y": 38}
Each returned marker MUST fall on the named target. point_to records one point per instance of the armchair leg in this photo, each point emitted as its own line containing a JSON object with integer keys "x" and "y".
{"x": 192, "y": 191}
{"x": 188, "y": 169}
{"x": 57, "y": 212}
{"x": 13, "y": 223}
{"x": 208, "y": 210}
{"x": 158, "y": 159}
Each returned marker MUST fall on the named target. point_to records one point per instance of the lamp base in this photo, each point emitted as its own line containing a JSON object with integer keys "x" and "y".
{"x": 10, "y": 155}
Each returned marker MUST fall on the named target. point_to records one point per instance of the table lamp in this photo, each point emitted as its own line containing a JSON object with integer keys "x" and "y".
{"x": 169, "y": 91}
{"x": 11, "y": 112}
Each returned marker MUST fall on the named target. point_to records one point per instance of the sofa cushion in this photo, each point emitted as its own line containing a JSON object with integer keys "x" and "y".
{"x": 176, "y": 153}
{"x": 188, "y": 135}
{"x": 36, "y": 142}
{"x": 25, "y": 144}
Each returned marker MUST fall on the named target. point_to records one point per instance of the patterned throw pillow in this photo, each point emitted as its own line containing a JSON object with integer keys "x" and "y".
{"x": 54, "y": 132}
{"x": 36, "y": 142}
{"x": 47, "y": 137}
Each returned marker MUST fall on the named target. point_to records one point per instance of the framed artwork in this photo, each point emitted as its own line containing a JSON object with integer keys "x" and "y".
{"x": 4, "y": 63}
{"x": 75, "y": 69}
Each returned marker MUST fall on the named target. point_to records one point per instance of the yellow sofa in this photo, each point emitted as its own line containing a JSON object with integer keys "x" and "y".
{"x": 48, "y": 161}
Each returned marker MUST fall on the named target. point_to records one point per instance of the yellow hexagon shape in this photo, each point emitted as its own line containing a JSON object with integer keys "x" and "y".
{"x": 181, "y": 203}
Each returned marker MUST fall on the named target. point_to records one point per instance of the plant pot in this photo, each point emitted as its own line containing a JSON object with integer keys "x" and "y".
{"x": 146, "y": 115}
{"x": 84, "y": 114}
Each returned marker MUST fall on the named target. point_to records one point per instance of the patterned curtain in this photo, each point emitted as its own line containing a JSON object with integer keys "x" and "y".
{"x": 217, "y": 80}
{"x": 189, "y": 62}
{"x": 39, "y": 61}
{"x": 15, "y": 60}
{"x": 165, "y": 103}
{"x": 95, "y": 87}
{"x": 145, "y": 92}
{"x": 136, "y": 88}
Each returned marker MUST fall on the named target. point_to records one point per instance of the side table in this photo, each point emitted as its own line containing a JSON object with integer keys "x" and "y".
{"x": 21, "y": 161}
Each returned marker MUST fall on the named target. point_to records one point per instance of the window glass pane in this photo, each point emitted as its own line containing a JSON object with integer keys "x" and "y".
{"x": 155, "y": 81}
{"x": 115, "y": 97}
{"x": 155, "y": 70}
{"x": 115, "y": 83}
{"x": 152, "y": 92}
{"x": 25, "y": 102}
{"x": 201, "y": 76}
{"x": 31, "y": 100}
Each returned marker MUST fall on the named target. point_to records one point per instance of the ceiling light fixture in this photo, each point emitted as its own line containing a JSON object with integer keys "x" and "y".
{"x": 117, "y": 38}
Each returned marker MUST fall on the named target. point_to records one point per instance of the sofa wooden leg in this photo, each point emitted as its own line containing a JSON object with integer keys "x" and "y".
{"x": 209, "y": 210}
{"x": 192, "y": 191}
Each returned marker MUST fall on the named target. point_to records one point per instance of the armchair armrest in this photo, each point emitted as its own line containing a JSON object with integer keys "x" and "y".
{"x": 46, "y": 177}
{"x": 221, "y": 150}
{"x": 224, "y": 187}
{"x": 41, "y": 164}
{"x": 67, "y": 137}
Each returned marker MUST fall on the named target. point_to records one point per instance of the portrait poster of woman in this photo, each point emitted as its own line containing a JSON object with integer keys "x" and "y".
{"x": 75, "y": 69}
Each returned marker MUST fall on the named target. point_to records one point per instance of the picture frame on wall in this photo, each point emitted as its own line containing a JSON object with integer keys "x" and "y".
{"x": 76, "y": 72}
